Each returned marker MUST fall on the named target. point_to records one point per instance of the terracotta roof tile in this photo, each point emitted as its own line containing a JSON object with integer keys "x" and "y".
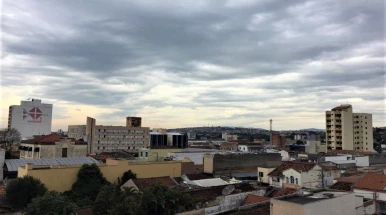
{"x": 252, "y": 199}
{"x": 371, "y": 181}
{"x": 341, "y": 107}
{"x": 298, "y": 166}
{"x": 351, "y": 179}
{"x": 282, "y": 192}
{"x": 143, "y": 183}
{"x": 51, "y": 138}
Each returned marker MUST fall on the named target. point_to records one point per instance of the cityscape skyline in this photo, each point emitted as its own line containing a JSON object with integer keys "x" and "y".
{"x": 188, "y": 64}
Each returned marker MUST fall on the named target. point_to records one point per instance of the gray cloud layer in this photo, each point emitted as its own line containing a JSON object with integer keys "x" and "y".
{"x": 250, "y": 59}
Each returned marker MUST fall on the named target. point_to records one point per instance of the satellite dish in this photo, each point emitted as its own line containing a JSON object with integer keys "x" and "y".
{"x": 228, "y": 190}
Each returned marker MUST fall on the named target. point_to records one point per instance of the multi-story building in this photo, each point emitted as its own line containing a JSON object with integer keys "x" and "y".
{"x": 347, "y": 130}
{"x": 76, "y": 131}
{"x": 277, "y": 140}
{"x": 229, "y": 137}
{"x": 131, "y": 137}
{"x": 31, "y": 118}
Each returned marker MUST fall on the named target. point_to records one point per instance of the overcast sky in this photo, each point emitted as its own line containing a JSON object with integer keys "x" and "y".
{"x": 195, "y": 62}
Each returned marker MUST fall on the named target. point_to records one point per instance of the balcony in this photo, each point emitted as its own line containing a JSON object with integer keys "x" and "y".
{"x": 338, "y": 134}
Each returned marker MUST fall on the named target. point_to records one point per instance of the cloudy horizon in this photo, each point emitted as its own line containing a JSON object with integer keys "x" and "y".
{"x": 195, "y": 63}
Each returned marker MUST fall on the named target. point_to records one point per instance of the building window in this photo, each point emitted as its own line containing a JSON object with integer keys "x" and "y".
{"x": 146, "y": 154}
{"x": 261, "y": 174}
{"x": 296, "y": 180}
{"x": 292, "y": 180}
{"x": 64, "y": 152}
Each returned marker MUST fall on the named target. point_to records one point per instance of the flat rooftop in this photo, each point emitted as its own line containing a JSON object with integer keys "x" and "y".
{"x": 319, "y": 196}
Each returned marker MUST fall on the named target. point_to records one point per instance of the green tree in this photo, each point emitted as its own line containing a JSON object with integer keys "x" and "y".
{"x": 89, "y": 183}
{"x": 127, "y": 176}
{"x": 159, "y": 199}
{"x": 111, "y": 200}
{"x": 21, "y": 191}
{"x": 51, "y": 203}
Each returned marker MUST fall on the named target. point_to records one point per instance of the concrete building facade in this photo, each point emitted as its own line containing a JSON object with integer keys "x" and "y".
{"x": 322, "y": 203}
{"x": 131, "y": 137}
{"x": 347, "y": 130}
{"x": 76, "y": 131}
{"x": 52, "y": 146}
{"x": 217, "y": 164}
{"x": 31, "y": 118}
{"x": 61, "y": 178}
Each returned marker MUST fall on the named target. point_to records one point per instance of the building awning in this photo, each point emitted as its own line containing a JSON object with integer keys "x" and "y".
{"x": 37, "y": 149}
{"x": 29, "y": 149}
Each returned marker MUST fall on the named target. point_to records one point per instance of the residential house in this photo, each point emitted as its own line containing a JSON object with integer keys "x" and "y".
{"x": 250, "y": 148}
{"x": 302, "y": 174}
{"x": 320, "y": 203}
{"x": 52, "y": 146}
{"x": 230, "y": 146}
{"x": 372, "y": 186}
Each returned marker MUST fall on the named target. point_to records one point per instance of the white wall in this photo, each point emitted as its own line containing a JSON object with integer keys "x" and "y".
{"x": 336, "y": 158}
{"x": 369, "y": 194}
{"x": 362, "y": 161}
{"x": 291, "y": 172}
{"x": 30, "y": 122}
{"x": 312, "y": 178}
{"x": 343, "y": 205}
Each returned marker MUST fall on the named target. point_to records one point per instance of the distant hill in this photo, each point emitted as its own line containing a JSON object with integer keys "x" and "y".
{"x": 312, "y": 129}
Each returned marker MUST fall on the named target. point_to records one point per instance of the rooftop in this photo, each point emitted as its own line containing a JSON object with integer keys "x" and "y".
{"x": 143, "y": 183}
{"x": 319, "y": 196}
{"x": 253, "y": 199}
{"x": 14, "y": 164}
{"x": 341, "y": 107}
{"x": 298, "y": 166}
{"x": 371, "y": 181}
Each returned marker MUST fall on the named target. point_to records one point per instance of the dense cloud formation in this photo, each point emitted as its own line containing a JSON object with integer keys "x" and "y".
{"x": 195, "y": 62}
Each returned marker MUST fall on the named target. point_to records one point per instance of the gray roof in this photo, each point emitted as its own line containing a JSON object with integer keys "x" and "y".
{"x": 13, "y": 164}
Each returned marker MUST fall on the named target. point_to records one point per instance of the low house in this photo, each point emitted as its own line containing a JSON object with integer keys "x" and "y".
{"x": 320, "y": 203}
{"x": 52, "y": 146}
{"x": 302, "y": 174}
{"x": 250, "y": 148}
{"x": 231, "y": 146}
{"x": 262, "y": 173}
{"x": 372, "y": 186}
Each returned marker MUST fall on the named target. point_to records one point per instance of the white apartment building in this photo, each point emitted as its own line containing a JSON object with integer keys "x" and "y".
{"x": 346, "y": 130}
{"x": 31, "y": 118}
{"x": 131, "y": 137}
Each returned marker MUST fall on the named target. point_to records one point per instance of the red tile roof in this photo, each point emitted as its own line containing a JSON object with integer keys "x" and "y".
{"x": 282, "y": 192}
{"x": 298, "y": 166}
{"x": 371, "y": 181}
{"x": 351, "y": 179}
{"x": 341, "y": 107}
{"x": 51, "y": 138}
{"x": 253, "y": 199}
{"x": 143, "y": 183}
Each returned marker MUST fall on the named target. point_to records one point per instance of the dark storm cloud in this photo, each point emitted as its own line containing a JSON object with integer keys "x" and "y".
{"x": 231, "y": 53}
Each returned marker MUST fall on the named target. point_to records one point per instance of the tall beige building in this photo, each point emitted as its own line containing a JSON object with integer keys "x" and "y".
{"x": 131, "y": 137}
{"x": 76, "y": 131}
{"x": 346, "y": 130}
